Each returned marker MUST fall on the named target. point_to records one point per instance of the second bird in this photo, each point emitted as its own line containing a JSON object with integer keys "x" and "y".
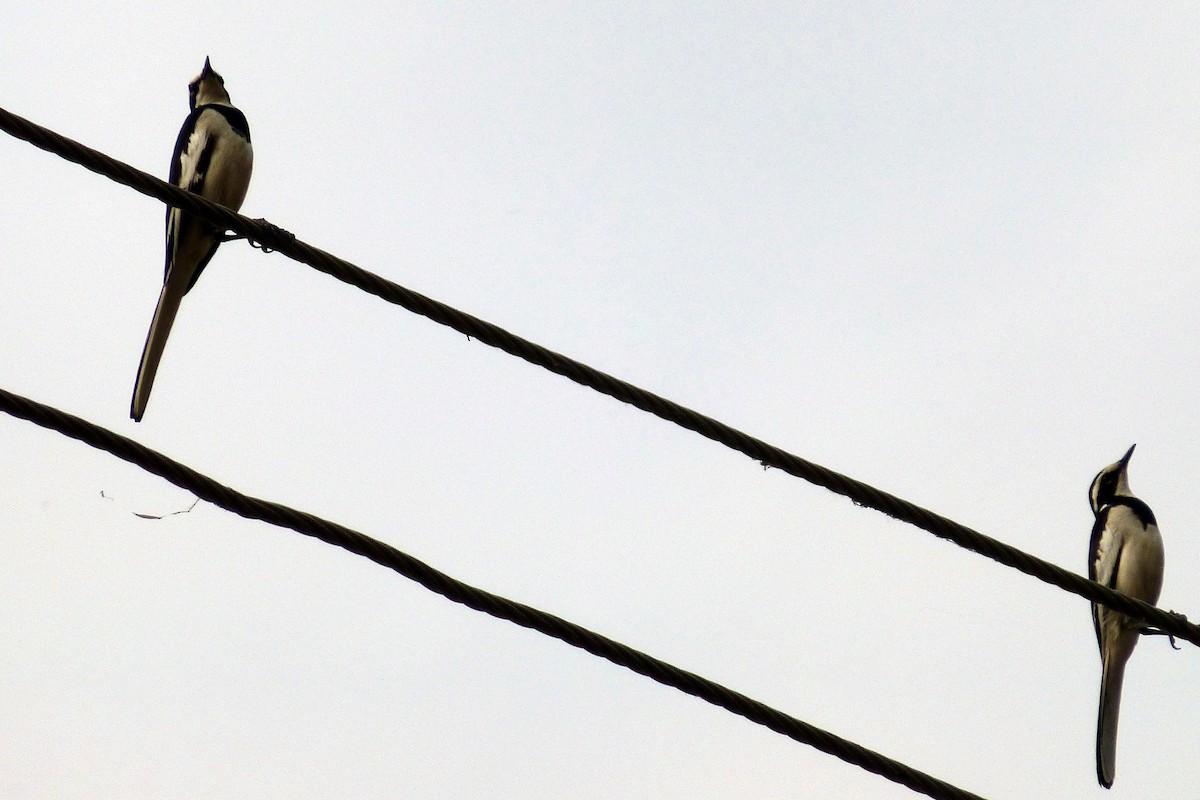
{"x": 213, "y": 159}
{"x": 1126, "y": 555}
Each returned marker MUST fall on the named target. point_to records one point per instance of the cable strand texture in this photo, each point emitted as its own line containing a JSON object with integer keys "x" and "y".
{"x": 478, "y": 599}
{"x": 860, "y": 493}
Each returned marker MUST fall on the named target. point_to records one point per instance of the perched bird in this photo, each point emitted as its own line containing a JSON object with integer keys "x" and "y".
{"x": 213, "y": 159}
{"x": 1126, "y": 555}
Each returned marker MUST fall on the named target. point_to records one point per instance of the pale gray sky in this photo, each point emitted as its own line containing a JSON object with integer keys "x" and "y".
{"x": 946, "y": 249}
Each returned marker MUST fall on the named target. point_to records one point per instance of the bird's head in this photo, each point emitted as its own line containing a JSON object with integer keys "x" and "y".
{"x": 1112, "y": 481}
{"x": 207, "y": 87}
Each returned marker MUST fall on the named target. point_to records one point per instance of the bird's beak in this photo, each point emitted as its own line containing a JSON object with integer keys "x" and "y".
{"x": 207, "y": 68}
{"x": 1125, "y": 458}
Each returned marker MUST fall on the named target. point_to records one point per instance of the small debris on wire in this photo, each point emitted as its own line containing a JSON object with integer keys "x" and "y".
{"x": 171, "y": 514}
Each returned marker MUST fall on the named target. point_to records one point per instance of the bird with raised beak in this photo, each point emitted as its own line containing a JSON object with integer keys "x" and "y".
{"x": 1126, "y": 555}
{"x": 213, "y": 159}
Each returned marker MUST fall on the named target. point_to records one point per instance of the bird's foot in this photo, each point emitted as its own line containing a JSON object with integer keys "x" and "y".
{"x": 274, "y": 230}
{"x": 1146, "y": 629}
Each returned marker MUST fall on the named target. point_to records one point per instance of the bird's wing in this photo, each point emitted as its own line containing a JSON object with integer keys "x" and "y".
{"x": 1103, "y": 560}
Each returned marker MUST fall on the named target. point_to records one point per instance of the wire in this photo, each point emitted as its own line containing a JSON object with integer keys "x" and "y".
{"x": 385, "y": 555}
{"x": 860, "y": 493}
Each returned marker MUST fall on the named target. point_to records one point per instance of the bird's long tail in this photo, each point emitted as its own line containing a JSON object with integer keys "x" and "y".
{"x": 156, "y": 340}
{"x": 1111, "y": 678}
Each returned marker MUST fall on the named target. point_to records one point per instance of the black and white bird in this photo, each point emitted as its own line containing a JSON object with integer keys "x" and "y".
{"x": 212, "y": 158}
{"x": 1126, "y": 555}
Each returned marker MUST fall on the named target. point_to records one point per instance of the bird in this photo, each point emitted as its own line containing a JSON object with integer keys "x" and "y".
{"x": 1126, "y": 555}
{"x": 213, "y": 159}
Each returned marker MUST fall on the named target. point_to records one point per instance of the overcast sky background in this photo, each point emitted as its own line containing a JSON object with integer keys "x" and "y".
{"x": 947, "y": 249}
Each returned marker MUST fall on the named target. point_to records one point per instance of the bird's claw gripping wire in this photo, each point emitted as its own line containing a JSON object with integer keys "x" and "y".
{"x": 274, "y": 230}
{"x": 1146, "y": 629}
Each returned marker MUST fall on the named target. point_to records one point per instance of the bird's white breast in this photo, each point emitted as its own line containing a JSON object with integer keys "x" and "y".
{"x": 1140, "y": 571}
{"x": 227, "y": 171}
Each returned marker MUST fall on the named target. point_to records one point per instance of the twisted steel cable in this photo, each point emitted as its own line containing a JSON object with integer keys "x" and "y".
{"x": 860, "y": 493}
{"x": 502, "y": 608}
